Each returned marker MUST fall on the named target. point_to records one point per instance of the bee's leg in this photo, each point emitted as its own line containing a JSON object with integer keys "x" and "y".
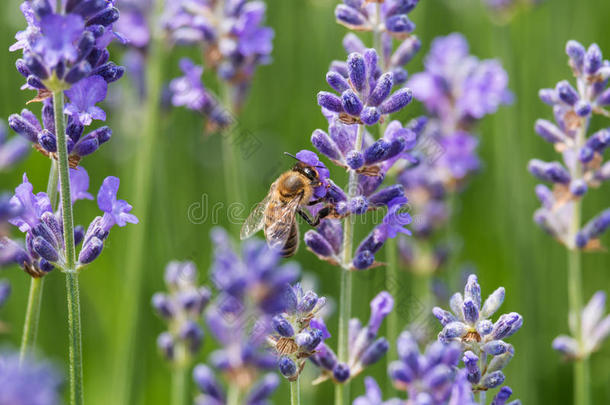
{"x": 316, "y": 201}
{"x": 324, "y": 212}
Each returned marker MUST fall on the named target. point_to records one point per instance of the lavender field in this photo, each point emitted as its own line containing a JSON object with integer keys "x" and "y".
{"x": 363, "y": 202}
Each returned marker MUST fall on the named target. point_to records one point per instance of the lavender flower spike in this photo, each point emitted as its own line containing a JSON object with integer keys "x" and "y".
{"x": 595, "y": 330}
{"x": 28, "y": 383}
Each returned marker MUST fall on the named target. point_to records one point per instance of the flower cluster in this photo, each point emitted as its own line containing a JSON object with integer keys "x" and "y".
{"x": 391, "y": 16}
{"x": 182, "y": 309}
{"x": 594, "y": 330}
{"x": 458, "y": 90}
{"x": 12, "y": 150}
{"x": 28, "y": 383}
{"x": 252, "y": 288}
{"x": 365, "y": 91}
{"x": 431, "y": 377}
{"x": 61, "y": 49}
{"x": 234, "y": 40}
{"x": 469, "y": 324}
{"x": 298, "y": 331}
{"x": 365, "y": 348}
{"x": 44, "y": 230}
{"x": 583, "y": 164}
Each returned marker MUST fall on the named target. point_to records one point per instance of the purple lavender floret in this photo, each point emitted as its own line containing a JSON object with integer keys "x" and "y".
{"x": 365, "y": 348}
{"x": 44, "y": 138}
{"x": 61, "y": 49}
{"x": 583, "y": 167}
{"x": 232, "y": 34}
{"x": 391, "y": 17}
{"x": 297, "y": 331}
{"x": 431, "y": 377}
{"x": 28, "y": 383}
{"x": 12, "y": 150}
{"x": 365, "y": 93}
{"x": 456, "y": 86}
{"x": 373, "y": 395}
{"x": 213, "y": 393}
{"x": 182, "y": 309}
{"x": 469, "y": 324}
{"x": 595, "y": 328}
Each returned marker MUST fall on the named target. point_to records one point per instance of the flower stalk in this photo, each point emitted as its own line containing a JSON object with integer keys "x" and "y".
{"x": 295, "y": 392}
{"x": 73, "y": 300}
{"x": 231, "y": 164}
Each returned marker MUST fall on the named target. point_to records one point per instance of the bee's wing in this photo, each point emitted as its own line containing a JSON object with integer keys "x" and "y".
{"x": 256, "y": 219}
{"x": 278, "y": 232}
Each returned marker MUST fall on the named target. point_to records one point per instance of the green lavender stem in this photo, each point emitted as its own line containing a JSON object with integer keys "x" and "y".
{"x": 32, "y": 313}
{"x": 575, "y": 301}
{"x": 143, "y": 168}
{"x": 231, "y": 164}
{"x": 233, "y": 396}
{"x": 76, "y": 370}
{"x": 179, "y": 385}
{"x": 345, "y": 300}
{"x": 295, "y": 392}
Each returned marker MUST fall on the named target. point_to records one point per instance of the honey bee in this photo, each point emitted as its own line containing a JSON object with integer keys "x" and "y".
{"x": 276, "y": 214}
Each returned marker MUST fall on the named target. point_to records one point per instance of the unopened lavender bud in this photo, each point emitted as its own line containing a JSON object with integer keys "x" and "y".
{"x": 337, "y": 81}
{"x": 354, "y": 159}
{"x": 36, "y": 67}
{"x": 548, "y": 96}
{"x": 364, "y": 260}
{"x": 399, "y": 24}
{"x": 384, "y": 196}
{"x": 358, "y": 205}
{"x": 339, "y": 67}
{"x": 599, "y": 141}
{"x": 501, "y": 361}
{"x": 341, "y": 372}
{"x": 43, "y": 248}
{"x": 351, "y": 103}
{"x": 604, "y": 98}
{"x": 471, "y": 361}
{"x": 493, "y": 380}
{"x": 454, "y": 330}
{"x": 493, "y": 302}
{"x": 507, "y": 325}
{"x": 383, "y": 150}
{"x": 576, "y": 52}
{"x": 330, "y": 101}
{"x": 578, "y": 187}
{"x": 495, "y": 347}
{"x": 192, "y": 334}
{"x": 309, "y": 341}
{"x": 287, "y": 367}
{"x": 23, "y": 127}
{"x": 79, "y": 234}
{"x": 502, "y": 396}
{"x": 583, "y": 108}
{"x": 586, "y": 154}
{"x": 566, "y": 345}
{"x": 263, "y": 389}
{"x": 370, "y": 115}
{"x": 308, "y": 302}
{"x": 396, "y": 101}
{"x": 282, "y": 326}
{"x": 470, "y": 310}
{"x": 47, "y": 140}
{"x": 35, "y": 82}
{"x": 382, "y": 90}
{"x": 549, "y": 171}
{"x": 162, "y": 305}
{"x": 567, "y": 93}
{"x": 356, "y": 71}
{"x": 165, "y": 343}
{"x": 399, "y": 75}
{"x": 398, "y": 371}
{"x": 326, "y": 357}
{"x": 549, "y": 131}
{"x": 375, "y": 352}
{"x": 207, "y": 383}
{"x": 318, "y": 244}
{"x": 443, "y": 316}
{"x": 349, "y": 16}
{"x": 22, "y": 68}
{"x": 86, "y": 146}
{"x": 406, "y": 51}
{"x": 91, "y": 250}
{"x": 110, "y": 72}
{"x": 593, "y": 59}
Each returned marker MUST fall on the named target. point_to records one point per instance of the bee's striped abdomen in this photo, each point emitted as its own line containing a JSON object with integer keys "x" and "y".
{"x": 292, "y": 243}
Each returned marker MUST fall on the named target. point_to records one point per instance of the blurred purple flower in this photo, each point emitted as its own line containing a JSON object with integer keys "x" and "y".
{"x": 28, "y": 383}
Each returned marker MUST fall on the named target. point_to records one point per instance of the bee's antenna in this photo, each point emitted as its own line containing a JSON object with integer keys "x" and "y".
{"x": 292, "y": 156}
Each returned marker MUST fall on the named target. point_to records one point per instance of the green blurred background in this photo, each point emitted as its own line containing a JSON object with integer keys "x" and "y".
{"x": 494, "y": 218}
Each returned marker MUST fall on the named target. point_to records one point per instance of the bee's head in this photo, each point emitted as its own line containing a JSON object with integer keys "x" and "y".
{"x": 306, "y": 170}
